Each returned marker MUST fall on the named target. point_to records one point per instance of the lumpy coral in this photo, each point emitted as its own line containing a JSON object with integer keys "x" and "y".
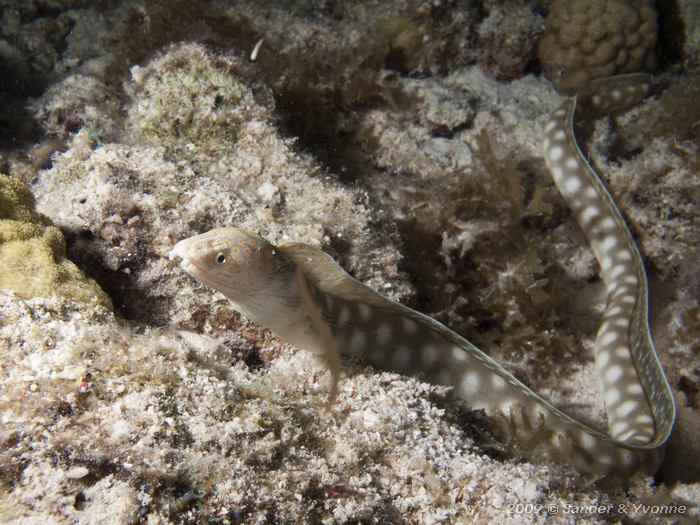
{"x": 587, "y": 39}
{"x": 32, "y": 252}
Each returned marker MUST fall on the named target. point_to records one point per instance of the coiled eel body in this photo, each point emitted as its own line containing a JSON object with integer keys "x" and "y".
{"x": 302, "y": 295}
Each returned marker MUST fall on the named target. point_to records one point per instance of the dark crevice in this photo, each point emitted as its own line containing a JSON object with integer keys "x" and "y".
{"x": 450, "y": 133}
{"x": 17, "y": 84}
{"x": 671, "y": 43}
{"x": 126, "y": 295}
{"x": 18, "y": 130}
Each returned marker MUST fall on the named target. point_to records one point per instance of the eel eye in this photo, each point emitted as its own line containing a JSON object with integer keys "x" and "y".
{"x": 221, "y": 258}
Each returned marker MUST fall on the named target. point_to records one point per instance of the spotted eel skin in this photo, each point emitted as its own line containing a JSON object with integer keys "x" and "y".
{"x": 301, "y": 294}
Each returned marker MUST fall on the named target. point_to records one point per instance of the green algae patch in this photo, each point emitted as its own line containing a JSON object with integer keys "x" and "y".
{"x": 33, "y": 259}
{"x": 189, "y": 101}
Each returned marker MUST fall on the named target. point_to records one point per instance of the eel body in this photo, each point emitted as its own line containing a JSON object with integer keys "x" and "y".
{"x": 305, "y": 297}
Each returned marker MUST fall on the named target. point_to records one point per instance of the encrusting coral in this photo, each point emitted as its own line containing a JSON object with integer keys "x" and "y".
{"x": 587, "y": 39}
{"x": 32, "y": 252}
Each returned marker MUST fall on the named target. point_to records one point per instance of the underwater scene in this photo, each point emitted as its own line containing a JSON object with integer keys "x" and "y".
{"x": 368, "y": 261}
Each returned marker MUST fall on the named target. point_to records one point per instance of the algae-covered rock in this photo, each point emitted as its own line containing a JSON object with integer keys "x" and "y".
{"x": 507, "y": 38}
{"x": 189, "y": 100}
{"x": 124, "y": 203}
{"x": 32, "y": 252}
{"x": 404, "y": 41}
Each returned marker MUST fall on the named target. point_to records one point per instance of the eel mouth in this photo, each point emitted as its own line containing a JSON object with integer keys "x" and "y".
{"x": 183, "y": 251}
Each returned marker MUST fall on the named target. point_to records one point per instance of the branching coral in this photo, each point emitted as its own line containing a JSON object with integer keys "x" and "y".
{"x": 32, "y": 251}
{"x": 588, "y": 39}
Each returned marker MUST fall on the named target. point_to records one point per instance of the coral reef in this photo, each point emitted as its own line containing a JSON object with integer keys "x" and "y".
{"x": 32, "y": 252}
{"x": 504, "y": 208}
{"x": 368, "y": 129}
{"x": 195, "y": 106}
{"x": 174, "y": 428}
{"x": 591, "y": 39}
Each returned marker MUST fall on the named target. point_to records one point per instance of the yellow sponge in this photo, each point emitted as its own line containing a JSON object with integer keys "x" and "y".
{"x": 32, "y": 252}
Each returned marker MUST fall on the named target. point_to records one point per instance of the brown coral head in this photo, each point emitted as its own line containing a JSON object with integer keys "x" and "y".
{"x": 588, "y": 39}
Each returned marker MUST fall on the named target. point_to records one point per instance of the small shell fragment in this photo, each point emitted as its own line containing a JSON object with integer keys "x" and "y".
{"x": 76, "y": 473}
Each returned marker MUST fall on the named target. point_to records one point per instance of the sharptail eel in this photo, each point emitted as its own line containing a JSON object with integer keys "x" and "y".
{"x": 305, "y": 297}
